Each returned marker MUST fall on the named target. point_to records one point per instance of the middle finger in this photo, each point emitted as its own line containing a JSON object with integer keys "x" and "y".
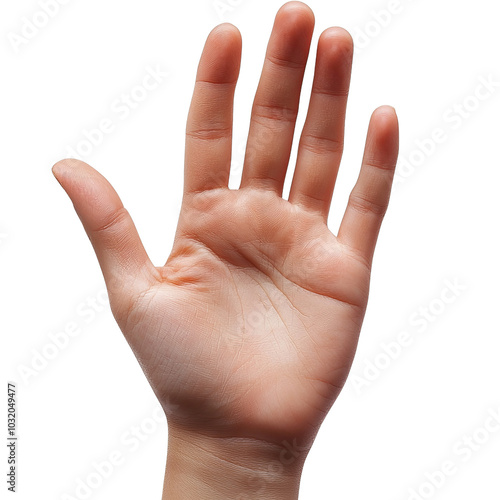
{"x": 277, "y": 98}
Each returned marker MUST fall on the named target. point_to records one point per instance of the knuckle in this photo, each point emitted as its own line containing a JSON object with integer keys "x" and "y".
{"x": 284, "y": 63}
{"x": 366, "y": 205}
{"x": 273, "y": 113}
{"x": 322, "y": 145}
{"x": 116, "y": 218}
{"x": 210, "y": 134}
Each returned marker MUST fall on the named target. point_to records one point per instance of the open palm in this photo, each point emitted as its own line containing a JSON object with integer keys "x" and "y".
{"x": 250, "y": 327}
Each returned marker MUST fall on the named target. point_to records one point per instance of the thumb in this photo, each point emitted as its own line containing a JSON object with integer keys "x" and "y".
{"x": 109, "y": 226}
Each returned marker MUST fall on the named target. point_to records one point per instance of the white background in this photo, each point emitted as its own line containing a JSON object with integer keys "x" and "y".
{"x": 382, "y": 437}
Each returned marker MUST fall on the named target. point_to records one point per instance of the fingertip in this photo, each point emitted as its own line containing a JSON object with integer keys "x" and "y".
{"x": 63, "y": 166}
{"x": 339, "y": 34}
{"x": 298, "y": 11}
{"x": 386, "y": 113}
{"x": 226, "y": 31}
{"x": 336, "y": 47}
{"x": 78, "y": 178}
{"x": 59, "y": 167}
{"x": 384, "y": 134}
{"x": 220, "y": 61}
{"x": 385, "y": 119}
{"x": 227, "y": 36}
{"x": 292, "y": 33}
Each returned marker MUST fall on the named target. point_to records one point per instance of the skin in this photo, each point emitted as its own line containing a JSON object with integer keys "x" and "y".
{"x": 248, "y": 332}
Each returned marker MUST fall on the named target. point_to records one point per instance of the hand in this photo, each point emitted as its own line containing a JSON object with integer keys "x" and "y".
{"x": 249, "y": 330}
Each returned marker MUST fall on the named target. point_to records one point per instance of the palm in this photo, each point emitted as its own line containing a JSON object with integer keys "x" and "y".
{"x": 261, "y": 312}
{"x": 251, "y": 326}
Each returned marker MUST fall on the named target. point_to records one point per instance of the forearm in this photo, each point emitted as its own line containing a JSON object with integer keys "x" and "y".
{"x": 205, "y": 468}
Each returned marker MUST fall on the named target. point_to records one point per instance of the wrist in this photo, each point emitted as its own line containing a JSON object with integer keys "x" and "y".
{"x": 232, "y": 468}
